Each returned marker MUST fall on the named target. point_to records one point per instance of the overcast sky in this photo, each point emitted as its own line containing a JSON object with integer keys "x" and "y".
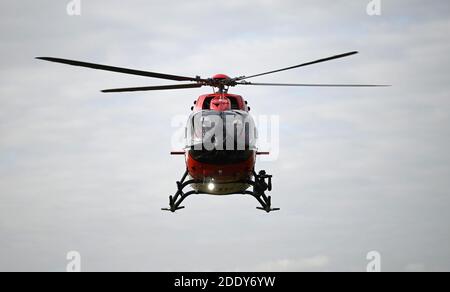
{"x": 359, "y": 169}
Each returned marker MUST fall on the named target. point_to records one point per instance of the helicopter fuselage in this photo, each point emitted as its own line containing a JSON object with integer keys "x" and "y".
{"x": 221, "y": 170}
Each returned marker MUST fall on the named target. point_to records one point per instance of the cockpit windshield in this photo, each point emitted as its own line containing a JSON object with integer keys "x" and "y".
{"x": 229, "y": 130}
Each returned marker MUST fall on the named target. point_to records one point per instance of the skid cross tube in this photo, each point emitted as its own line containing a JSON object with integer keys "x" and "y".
{"x": 262, "y": 183}
{"x": 176, "y": 200}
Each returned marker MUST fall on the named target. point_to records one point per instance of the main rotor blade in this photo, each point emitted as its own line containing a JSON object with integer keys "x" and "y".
{"x": 313, "y": 85}
{"x": 148, "y": 88}
{"x": 119, "y": 70}
{"x": 301, "y": 65}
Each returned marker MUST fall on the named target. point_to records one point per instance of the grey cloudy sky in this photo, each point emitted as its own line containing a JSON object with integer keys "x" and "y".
{"x": 359, "y": 169}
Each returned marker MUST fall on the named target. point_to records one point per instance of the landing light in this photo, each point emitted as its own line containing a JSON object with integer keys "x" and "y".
{"x": 211, "y": 186}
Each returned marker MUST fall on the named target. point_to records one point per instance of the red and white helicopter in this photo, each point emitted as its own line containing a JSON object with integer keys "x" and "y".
{"x": 220, "y": 135}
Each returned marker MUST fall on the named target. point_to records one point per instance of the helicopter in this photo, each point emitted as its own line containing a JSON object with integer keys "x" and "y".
{"x": 220, "y": 151}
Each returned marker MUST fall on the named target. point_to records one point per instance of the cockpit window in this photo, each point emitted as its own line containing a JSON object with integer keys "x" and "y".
{"x": 234, "y": 103}
{"x": 207, "y": 103}
{"x": 230, "y": 130}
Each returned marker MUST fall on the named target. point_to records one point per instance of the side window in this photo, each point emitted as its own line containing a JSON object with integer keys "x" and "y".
{"x": 234, "y": 103}
{"x": 207, "y": 103}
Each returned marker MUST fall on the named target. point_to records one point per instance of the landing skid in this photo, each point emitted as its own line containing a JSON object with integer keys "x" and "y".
{"x": 262, "y": 182}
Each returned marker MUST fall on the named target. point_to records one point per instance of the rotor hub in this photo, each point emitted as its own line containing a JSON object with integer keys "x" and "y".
{"x": 220, "y": 77}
